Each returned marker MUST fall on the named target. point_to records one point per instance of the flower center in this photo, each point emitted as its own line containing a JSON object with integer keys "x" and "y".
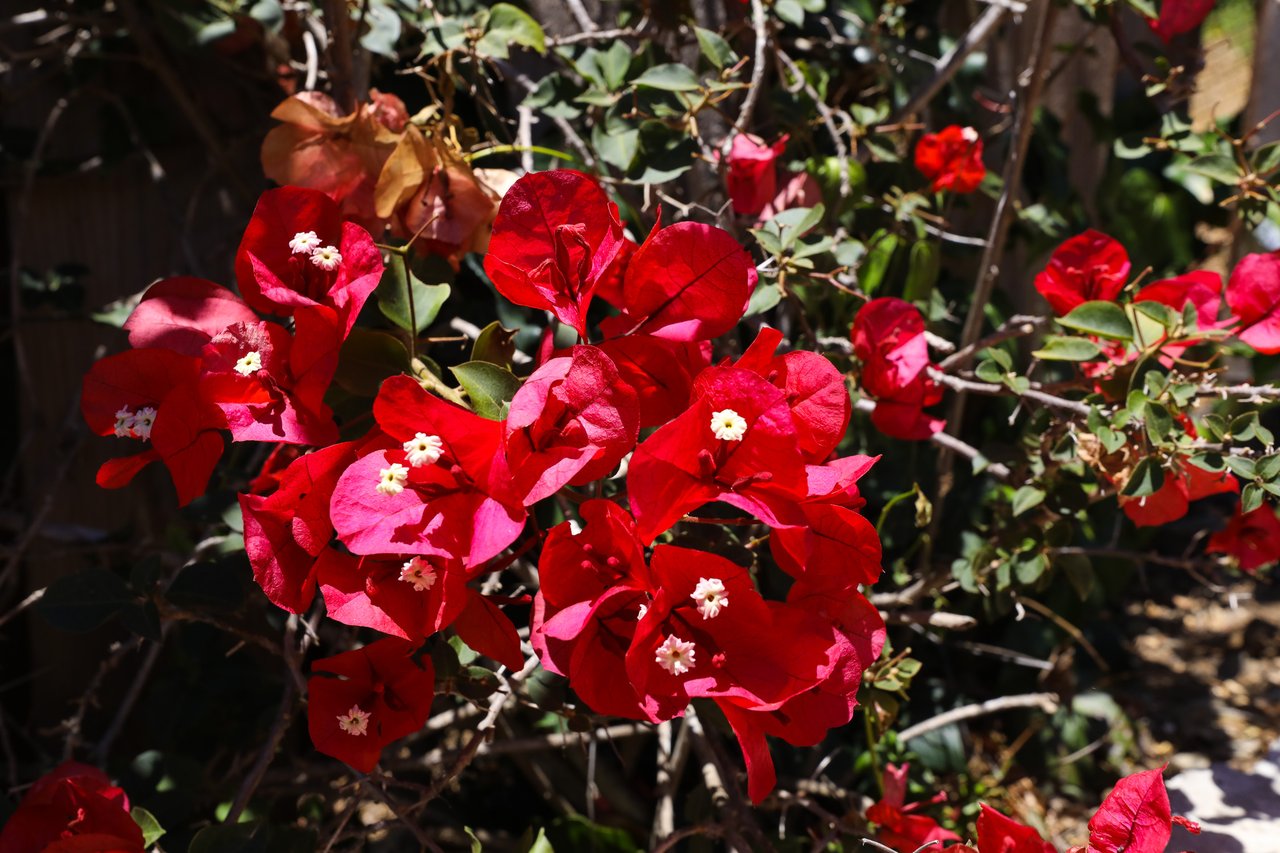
{"x": 728, "y": 425}
{"x": 710, "y": 597}
{"x": 249, "y": 364}
{"x": 304, "y": 243}
{"x": 327, "y": 258}
{"x": 969, "y": 135}
{"x": 424, "y": 449}
{"x": 391, "y": 480}
{"x": 355, "y": 721}
{"x": 124, "y": 423}
{"x": 140, "y": 426}
{"x": 675, "y": 655}
{"x": 419, "y": 573}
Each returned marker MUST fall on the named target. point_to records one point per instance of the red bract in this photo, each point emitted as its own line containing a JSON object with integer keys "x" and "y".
{"x": 833, "y": 552}
{"x": 409, "y": 597}
{"x": 800, "y": 190}
{"x": 72, "y": 809}
{"x": 898, "y": 827}
{"x": 1180, "y": 16}
{"x": 951, "y": 159}
{"x": 443, "y": 489}
{"x": 1251, "y": 538}
{"x": 1135, "y": 817}
{"x": 735, "y": 443}
{"x": 686, "y": 282}
{"x": 153, "y": 395}
{"x": 555, "y": 237}
{"x": 888, "y": 338}
{"x": 286, "y": 531}
{"x": 1090, "y": 266}
{"x": 570, "y": 423}
{"x": 816, "y": 392}
{"x": 1186, "y": 483}
{"x": 752, "y": 178}
{"x": 1253, "y": 293}
{"x": 1000, "y": 834}
{"x": 660, "y": 371}
{"x": 182, "y": 314}
{"x": 380, "y": 695}
{"x": 298, "y": 253}
{"x": 1199, "y": 288}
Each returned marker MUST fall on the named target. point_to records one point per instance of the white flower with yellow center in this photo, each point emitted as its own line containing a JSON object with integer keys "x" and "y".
{"x": 355, "y": 722}
{"x": 249, "y": 364}
{"x": 710, "y": 596}
{"x": 142, "y": 421}
{"x": 424, "y": 449}
{"x": 419, "y": 573}
{"x": 327, "y": 258}
{"x": 675, "y": 655}
{"x": 391, "y": 480}
{"x": 728, "y": 425}
{"x": 304, "y": 243}
{"x": 124, "y": 423}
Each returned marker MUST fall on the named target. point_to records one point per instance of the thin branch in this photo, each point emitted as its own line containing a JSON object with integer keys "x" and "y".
{"x": 951, "y": 61}
{"x": 1017, "y": 326}
{"x": 992, "y": 390}
{"x": 581, "y": 15}
{"x": 949, "y": 442}
{"x": 1047, "y": 702}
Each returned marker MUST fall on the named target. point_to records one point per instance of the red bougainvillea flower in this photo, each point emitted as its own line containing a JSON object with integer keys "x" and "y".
{"x": 800, "y": 190}
{"x": 752, "y": 179}
{"x": 816, "y": 392}
{"x": 72, "y": 809}
{"x": 444, "y": 488}
{"x": 1090, "y": 266}
{"x": 898, "y": 827}
{"x": 660, "y": 371}
{"x": 1253, "y": 293}
{"x": 951, "y": 159}
{"x": 1000, "y": 834}
{"x": 888, "y": 338}
{"x": 380, "y": 694}
{"x": 1135, "y": 817}
{"x": 153, "y": 396}
{"x": 1186, "y": 483}
{"x": 593, "y": 585}
{"x": 834, "y": 551}
{"x": 342, "y": 156}
{"x": 1180, "y": 16}
{"x": 286, "y": 531}
{"x": 555, "y": 237}
{"x": 735, "y": 443}
{"x": 686, "y": 282}
{"x": 298, "y": 253}
{"x": 1199, "y": 288}
{"x": 709, "y": 633}
{"x": 183, "y": 314}
{"x": 1251, "y": 538}
{"x": 571, "y": 422}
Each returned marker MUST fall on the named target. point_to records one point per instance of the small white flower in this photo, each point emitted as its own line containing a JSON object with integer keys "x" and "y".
{"x": 355, "y": 722}
{"x": 644, "y": 608}
{"x": 424, "y": 449}
{"x": 124, "y": 423}
{"x": 675, "y": 655}
{"x": 304, "y": 243}
{"x": 728, "y": 425}
{"x": 710, "y": 596}
{"x": 326, "y": 257}
{"x": 419, "y": 573}
{"x": 391, "y": 480}
{"x": 142, "y": 421}
{"x": 969, "y": 135}
{"x": 250, "y": 364}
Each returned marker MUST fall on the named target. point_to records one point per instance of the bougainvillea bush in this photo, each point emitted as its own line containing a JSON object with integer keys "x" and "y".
{"x": 678, "y": 428}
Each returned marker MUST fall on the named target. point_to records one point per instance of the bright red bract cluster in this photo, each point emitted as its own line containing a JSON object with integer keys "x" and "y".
{"x": 393, "y": 527}
{"x": 72, "y": 809}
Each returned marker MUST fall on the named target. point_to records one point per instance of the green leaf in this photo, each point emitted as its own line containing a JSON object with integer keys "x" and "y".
{"x": 989, "y": 371}
{"x": 1241, "y": 466}
{"x": 766, "y": 296}
{"x": 1025, "y": 498}
{"x": 1251, "y": 497}
{"x": 714, "y": 48}
{"x": 1062, "y": 348}
{"x": 1267, "y": 158}
{"x": 85, "y": 600}
{"x": 393, "y": 298}
{"x": 791, "y": 11}
{"x": 669, "y": 77}
{"x": 383, "y": 30}
{"x": 489, "y": 387}
{"x": 876, "y": 264}
{"x": 1158, "y": 421}
{"x": 923, "y": 263}
{"x": 367, "y": 358}
{"x": 1219, "y": 167}
{"x": 508, "y": 26}
{"x": 616, "y": 143}
{"x": 1103, "y": 319}
{"x": 1028, "y": 568}
{"x": 495, "y": 344}
{"x": 1079, "y": 572}
{"x": 146, "y": 821}
{"x": 1147, "y": 479}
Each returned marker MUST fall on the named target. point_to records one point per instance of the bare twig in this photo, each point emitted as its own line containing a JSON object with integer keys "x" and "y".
{"x": 997, "y": 469}
{"x": 951, "y": 62}
{"x": 581, "y": 15}
{"x": 1017, "y": 326}
{"x": 1047, "y": 702}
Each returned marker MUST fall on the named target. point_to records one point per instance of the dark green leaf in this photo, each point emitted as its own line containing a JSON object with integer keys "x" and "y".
{"x": 1025, "y": 498}
{"x": 923, "y": 263}
{"x": 1104, "y": 319}
{"x": 507, "y": 26}
{"x": 876, "y": 264}
{"x": 1219, "y": 167}
{"x": 393, "y": 298}
{"x": 489, "y": 387}
{"x": 495, "y": 344}
{"x": 714, "y": 48}
{"x": 1147, "y": 479}
{"x": 1251, "y": 497}
{"x": 1060, "y": 348}
{"x": 669, "y": 77}
{"x": 367, "y": 358}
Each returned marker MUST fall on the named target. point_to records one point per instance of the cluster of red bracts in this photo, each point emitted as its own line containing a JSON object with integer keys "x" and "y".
{"x": 392, "y": 528}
